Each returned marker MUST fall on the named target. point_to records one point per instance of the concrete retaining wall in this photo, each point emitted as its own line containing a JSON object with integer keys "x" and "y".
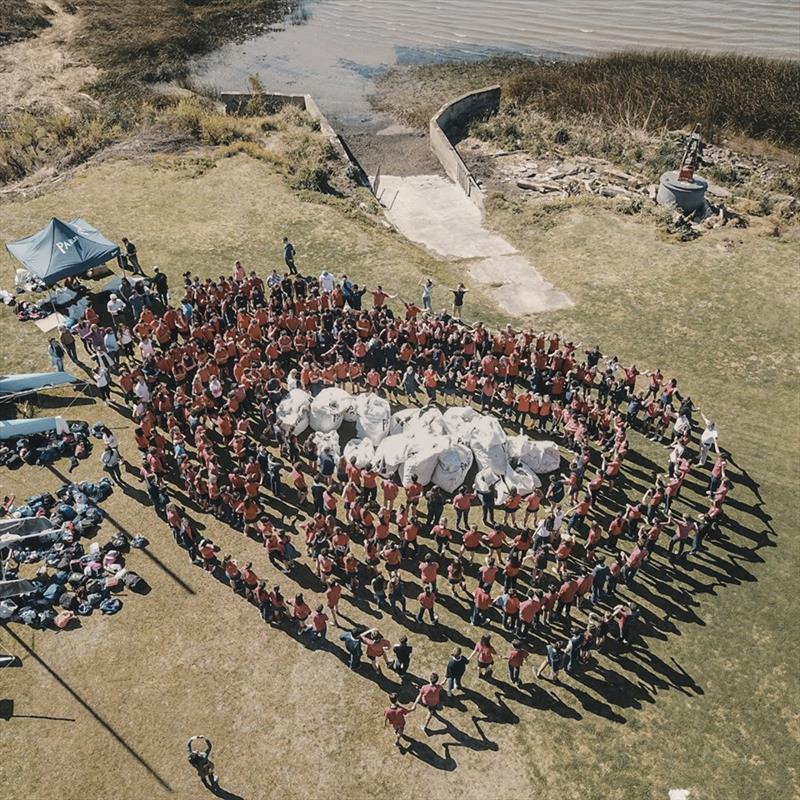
{"x": 275, "y": 101}
{"x": 448, "y": 126}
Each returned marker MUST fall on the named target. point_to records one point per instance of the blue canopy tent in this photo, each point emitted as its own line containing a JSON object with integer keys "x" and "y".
{"x": 62, "y": 249}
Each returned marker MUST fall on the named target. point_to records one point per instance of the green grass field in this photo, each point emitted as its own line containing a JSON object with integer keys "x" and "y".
{"x": 711, "y": 704}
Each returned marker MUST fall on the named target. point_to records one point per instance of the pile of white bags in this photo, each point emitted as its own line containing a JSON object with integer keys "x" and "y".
{"x": 362, "y": 449}
{"x": 437, "y": 448}
{"x": 329, "y": 409}
{"x": 372, "y": 417}
{"x": 293, "y": 411}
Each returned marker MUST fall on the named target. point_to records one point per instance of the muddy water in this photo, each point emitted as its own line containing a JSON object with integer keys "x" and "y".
{"x": 333, "y": 48}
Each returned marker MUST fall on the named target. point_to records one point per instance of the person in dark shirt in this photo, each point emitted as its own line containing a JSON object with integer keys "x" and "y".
{"x": 402, "y": 656}
{"x": 458, "y": 299}
{"x": 162, "y": 286}
{"x": 288, "y": 255}
{"x": 132, "y": 257}
{"x": 456, "y": 667}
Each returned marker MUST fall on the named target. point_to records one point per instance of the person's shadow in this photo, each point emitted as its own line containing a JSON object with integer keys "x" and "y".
{"x": 218, "y": 791}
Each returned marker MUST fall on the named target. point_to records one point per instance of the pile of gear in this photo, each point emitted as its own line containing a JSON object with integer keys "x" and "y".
{"x": 41, "y": 449}
{"x": 72, "y": 580}
{"x": 438, "y": 448}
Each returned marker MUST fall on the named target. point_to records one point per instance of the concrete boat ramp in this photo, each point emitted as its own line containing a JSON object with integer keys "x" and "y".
{"x": 434, "y": 212}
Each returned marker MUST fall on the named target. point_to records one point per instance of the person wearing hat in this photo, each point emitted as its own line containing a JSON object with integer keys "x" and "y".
{"x": 115, "y": 306}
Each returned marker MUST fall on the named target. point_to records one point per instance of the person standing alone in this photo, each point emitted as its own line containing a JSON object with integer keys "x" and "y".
{"x": 288, "y": 255}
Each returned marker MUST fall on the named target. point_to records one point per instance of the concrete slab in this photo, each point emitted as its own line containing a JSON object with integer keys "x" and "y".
{"x": 432, "y": 211}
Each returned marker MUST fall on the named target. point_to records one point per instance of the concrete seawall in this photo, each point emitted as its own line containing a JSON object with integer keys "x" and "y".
{"x": 448, "y": 126}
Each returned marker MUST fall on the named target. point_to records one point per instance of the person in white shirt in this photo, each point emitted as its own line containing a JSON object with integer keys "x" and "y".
{"x": 142, "y": 390}
{"x": 708, "y": 439}
{"x": 115, "y": 307}
{"x": 326, "y": 281}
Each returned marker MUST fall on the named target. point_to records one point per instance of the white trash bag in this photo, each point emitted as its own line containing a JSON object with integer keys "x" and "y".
{"x": 489, "y": 443}
{"x": 293, "y": 411}
{"x": 372, "y": 417}
{"x": 362, "y": 449}
{"x": 521, "y": 476}
{"x": 429, "y": 423}
{"x": 459, "y": 422}
{"x": 400, "y": 419}
{"x": 422, "y": 457}
{"x": 328, "y": 409}
{"x": 390, "y": 454}
{"x": 545, "y": 457}
{"x": 452, "y": 467}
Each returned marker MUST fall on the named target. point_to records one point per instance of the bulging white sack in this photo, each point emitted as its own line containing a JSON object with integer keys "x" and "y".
{"x": 452, "y": 467}
{"x": 362, "y": 449}
{"x": 541, "y": 457}
{"x": 422, "y": 457}
{"x": 372, "y": 417}
{"x": 428, "y": 423}
{"x": 293, "y": 411}
{"x": 400, "y": 419}
{"x": 328, "y": 409}
{"x": 390, "y": 454}
{"x": 459, "y": 422}
{"x": 489, "y": 444}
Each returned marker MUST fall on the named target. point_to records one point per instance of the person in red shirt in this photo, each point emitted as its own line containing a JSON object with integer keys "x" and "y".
{"x": 395, "y": 715}
{"x": 376, "y": 646}
{"x": 332, "y": 595}
{"x": 516, "y": 658}
{"x": 430, "y": 696}
{"x": 429, "y": 571}
{"x": 427, "y": 600}
{"x": 512, "y": 503}
{"x": 318, "y": 626}
{"x": 462, "y": 502}
{"x": 485, "y": 654}
{"x": 482, "y": 604}
{"x": 566, "y": 595}
{"x": 471, "y": 542}
{"x": 532, "y": 504}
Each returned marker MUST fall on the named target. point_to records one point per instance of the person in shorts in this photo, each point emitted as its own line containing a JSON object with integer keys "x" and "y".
{"x": 430, "y": 697}
{"x": 395, "y": 715}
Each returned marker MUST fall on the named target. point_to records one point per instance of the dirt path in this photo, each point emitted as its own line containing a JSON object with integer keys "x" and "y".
{"x": 43, "y": 73}
{"x": 431, "y": 210}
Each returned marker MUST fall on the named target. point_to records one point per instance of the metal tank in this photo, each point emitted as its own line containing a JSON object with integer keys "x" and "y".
{"x": 675, "y": 190}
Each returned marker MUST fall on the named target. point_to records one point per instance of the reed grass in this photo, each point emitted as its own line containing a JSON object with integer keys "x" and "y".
{"x": 726, "y": 94}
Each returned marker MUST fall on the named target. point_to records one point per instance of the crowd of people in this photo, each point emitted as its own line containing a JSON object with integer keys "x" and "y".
{"x": 553, "y": 573}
